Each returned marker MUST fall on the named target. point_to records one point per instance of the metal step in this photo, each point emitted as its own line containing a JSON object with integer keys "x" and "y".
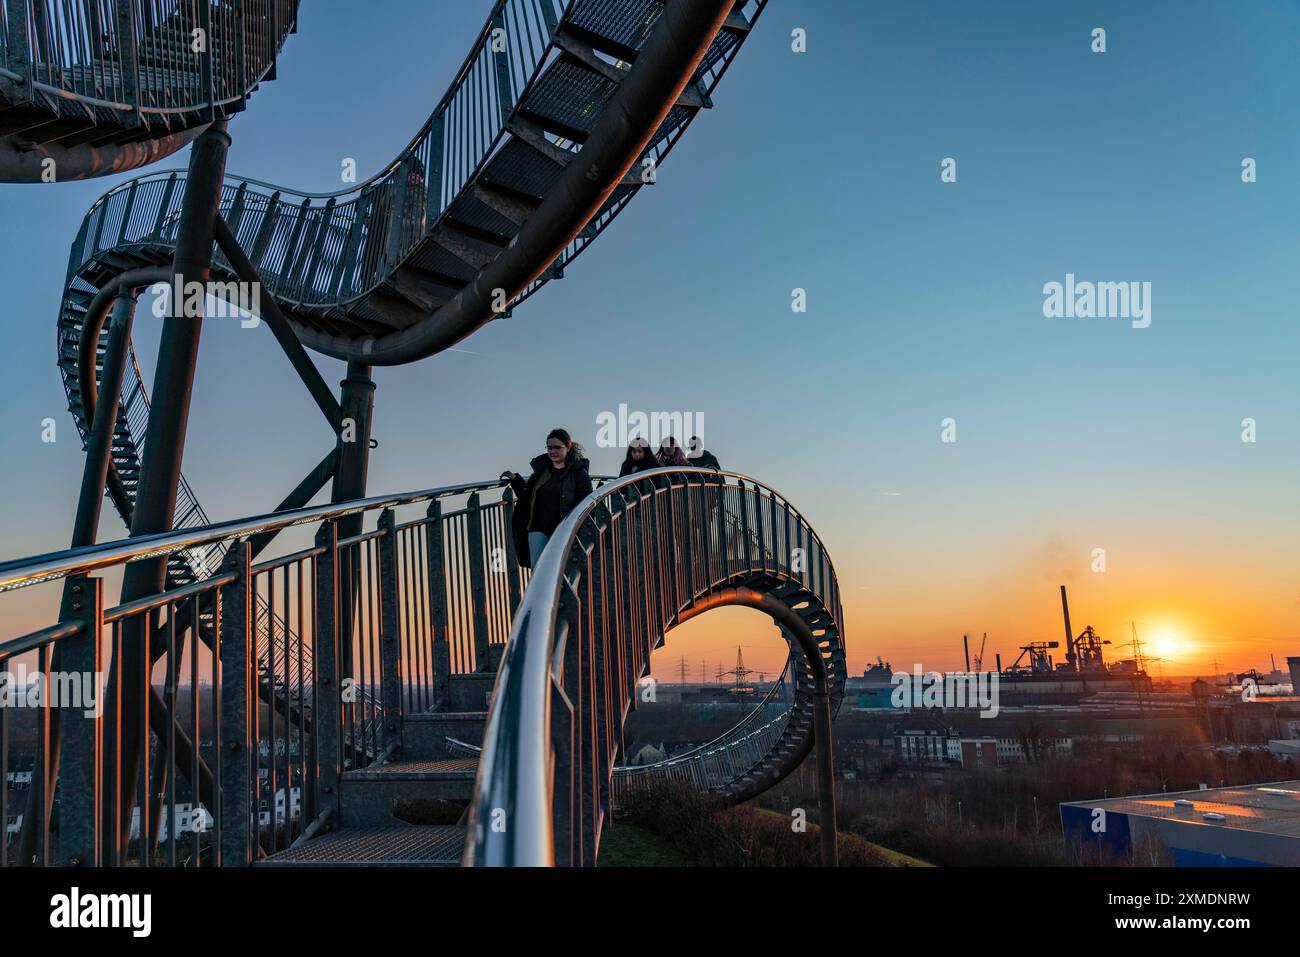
{"x": 367, "y": 796}
{"x": 470, "y": 692}
{"x": 403, "y": 845}
{"x": 425, "y": 735}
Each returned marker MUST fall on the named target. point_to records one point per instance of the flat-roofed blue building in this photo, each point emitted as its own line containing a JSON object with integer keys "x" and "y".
{"x": 1256, "y": 825}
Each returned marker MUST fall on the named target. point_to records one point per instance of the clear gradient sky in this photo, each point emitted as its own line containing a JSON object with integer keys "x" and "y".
{"x": 821, "y": 171}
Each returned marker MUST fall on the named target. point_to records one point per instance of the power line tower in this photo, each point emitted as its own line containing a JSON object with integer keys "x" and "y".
{"x": 740, "y": 675}
{"x": 681, "y": 671}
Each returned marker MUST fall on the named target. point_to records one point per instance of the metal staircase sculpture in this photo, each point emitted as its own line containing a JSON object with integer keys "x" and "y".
{"x": 389, "y": 270}
{"x": 561, "y": 113}
{"x": 102, "y": 87}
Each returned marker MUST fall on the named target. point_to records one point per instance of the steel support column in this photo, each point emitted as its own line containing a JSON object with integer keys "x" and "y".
{"x": 357, "y": 402}
{"x": 160, "y": 468}
{"x": 99, "y": 451}
{"x": 99, "y": 443}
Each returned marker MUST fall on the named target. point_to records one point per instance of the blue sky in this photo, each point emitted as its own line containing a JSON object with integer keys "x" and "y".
{"x": 821, "y": 171}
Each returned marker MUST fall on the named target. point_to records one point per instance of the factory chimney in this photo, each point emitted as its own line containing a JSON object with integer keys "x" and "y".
{"x": 1069, "y": 635}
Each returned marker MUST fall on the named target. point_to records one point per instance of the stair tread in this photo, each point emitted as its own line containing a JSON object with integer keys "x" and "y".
{"x": 416, "y": 768}
{"x": 406, "y": 844}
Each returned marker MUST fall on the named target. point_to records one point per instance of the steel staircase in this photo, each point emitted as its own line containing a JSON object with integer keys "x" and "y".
{"x": 394, "y": 269}
{"x": 468, "y": 222}
{"x": 107, "y": 87}
{"x": 384, "y": 807}
{"x": 384, "y": 257}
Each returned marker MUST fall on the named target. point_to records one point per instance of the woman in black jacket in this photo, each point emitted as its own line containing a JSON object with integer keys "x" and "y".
{"x": 639, "y": 458}
{"x": 561, "y": 479}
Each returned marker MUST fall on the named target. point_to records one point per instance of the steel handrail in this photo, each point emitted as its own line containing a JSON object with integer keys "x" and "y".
{"x": 22, "y": 572}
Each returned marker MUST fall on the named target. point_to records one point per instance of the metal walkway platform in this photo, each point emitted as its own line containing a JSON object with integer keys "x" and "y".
{"x": 407, "y": 846}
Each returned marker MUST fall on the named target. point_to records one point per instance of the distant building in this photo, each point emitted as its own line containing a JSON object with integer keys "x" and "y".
{"x": 1253, "y": 825}
{"x": 973, "y": 753}
{"x": 1022, "y": 750}
{"x": 922, "y": 739}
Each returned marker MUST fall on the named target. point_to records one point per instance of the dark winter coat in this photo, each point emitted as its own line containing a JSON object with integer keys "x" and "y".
{"x": 705, "y": 460}
{"x": 575, "y": 485}
{"x": 648, "y": 462}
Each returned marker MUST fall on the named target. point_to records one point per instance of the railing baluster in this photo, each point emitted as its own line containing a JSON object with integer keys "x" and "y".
{"x": 433, "y": 529}
{"x": 433, "y": 182}
{"x": 327, "y": 703}
{"x": 80, "y": 745}
{"x": 19, "y": 59}
{"x": 478, "y": 582}
{"x": 238, "y": 816}
{"x": 505, "y": 91}
{"x": 128, "y": 55}
{"x": 512, "y": 560}
{"x": 390, "y": 639}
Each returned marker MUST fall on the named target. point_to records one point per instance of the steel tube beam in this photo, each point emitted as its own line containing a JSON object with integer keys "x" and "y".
{"x": 99, "y": 451}
{"x": 22, "y": 165}
{"x": 358, "y": 399}
{"x": 160, "y": 469}
{"x": 99, "y": 445}
{"x": 358, "y": 402}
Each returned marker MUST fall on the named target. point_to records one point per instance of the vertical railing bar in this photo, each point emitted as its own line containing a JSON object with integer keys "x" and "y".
{"x": 326, "y": 703}
{"x": 390, "y": 636}
{"x": 171, "y": 729}
{"x": 196, "y": 737}
{"x": 441, "y": 648}
{"x": 237, "y": 714}
{"x": 80, "y": 742}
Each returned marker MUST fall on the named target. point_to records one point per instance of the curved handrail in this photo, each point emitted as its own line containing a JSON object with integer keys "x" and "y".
{"x": 532, "y": 708}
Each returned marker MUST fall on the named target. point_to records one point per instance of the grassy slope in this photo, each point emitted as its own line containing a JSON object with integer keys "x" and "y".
{"x": 626, "y": 845}
{"x": 853, "y": 843}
